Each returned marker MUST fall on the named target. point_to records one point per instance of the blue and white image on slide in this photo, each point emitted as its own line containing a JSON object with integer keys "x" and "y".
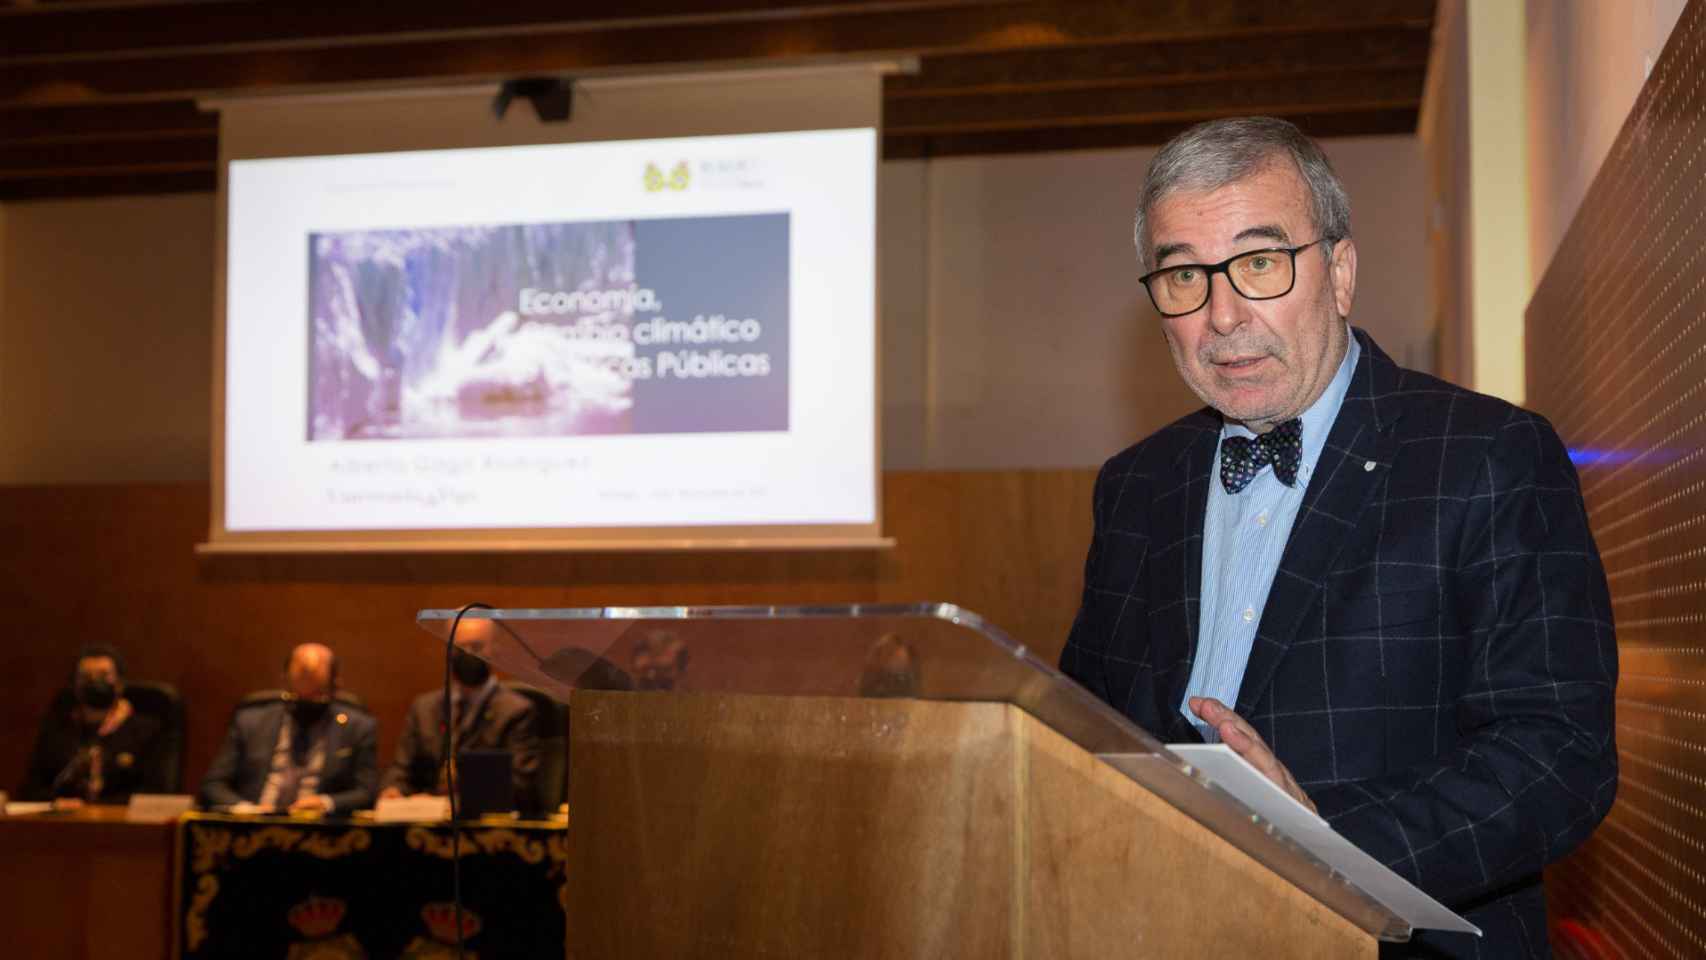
{"x": 557, "y": 329}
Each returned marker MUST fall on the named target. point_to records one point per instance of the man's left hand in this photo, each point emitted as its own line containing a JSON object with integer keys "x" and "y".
{"x": 1237, "y": 733}
{"x": 313, "y": 803}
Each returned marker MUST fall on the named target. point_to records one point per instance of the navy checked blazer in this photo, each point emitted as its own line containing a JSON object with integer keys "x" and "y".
{"x": 1435, "y": 663}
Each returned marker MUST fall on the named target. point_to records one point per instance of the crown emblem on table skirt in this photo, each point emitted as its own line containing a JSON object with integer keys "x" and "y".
{"x": 317, "y": 917}
{"x": 440, "y": 920}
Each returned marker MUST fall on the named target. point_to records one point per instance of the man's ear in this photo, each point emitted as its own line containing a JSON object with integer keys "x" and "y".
{"x": 1343, "y": 272}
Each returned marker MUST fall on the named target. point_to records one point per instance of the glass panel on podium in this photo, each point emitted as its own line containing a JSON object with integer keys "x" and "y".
{"x": 926, "y": 651}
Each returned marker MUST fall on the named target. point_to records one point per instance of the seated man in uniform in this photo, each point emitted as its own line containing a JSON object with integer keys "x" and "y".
{"x": 301, "y": 752}
{"x": 483, "y": 716}
{"x": 100, "y": 750}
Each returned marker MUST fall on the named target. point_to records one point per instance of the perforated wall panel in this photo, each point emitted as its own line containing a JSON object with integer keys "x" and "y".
{"x": 1616, "y": 344}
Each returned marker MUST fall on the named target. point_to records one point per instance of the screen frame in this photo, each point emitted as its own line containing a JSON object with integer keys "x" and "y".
{"x": 692, "y": 105}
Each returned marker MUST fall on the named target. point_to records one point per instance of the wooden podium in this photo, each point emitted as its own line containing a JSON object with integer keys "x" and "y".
{"x": 964, "y": 806}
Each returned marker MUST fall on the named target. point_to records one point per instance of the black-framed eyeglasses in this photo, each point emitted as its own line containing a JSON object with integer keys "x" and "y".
{"x": 1263, "y": 274}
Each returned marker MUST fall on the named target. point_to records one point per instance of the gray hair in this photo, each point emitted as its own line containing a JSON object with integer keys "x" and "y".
{"x": 1218, "y": 153}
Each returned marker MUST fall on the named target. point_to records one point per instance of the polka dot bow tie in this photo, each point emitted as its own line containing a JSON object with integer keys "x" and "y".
{"x": 1241, "y": 458}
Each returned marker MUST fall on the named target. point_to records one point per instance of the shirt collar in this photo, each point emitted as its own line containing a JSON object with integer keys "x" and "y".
{"x": 1318, "y": 419}
{"x": 457, "y": 693}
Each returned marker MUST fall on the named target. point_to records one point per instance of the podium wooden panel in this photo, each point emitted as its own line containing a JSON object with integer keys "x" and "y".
{"x": 718, "y": 826}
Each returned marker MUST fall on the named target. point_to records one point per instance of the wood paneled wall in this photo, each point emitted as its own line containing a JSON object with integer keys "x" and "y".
{"x": 1617, "y": 359}
{"x": 116, "y": 563}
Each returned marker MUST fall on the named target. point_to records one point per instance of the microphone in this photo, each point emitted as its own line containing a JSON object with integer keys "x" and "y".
{"x": 73, "y": 769}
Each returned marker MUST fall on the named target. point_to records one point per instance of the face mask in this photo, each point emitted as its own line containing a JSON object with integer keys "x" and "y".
{"x": 98, "y": 694}
{"x": 470, "y": 670}
{"x": 308, "y": 712}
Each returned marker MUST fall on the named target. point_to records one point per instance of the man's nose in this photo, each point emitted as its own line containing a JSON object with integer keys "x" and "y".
{"x": 1226, "y": 308}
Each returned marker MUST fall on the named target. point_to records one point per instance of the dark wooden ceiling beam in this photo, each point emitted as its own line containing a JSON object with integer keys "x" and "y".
{"x": 1358, "y": 122}
{"x": 97, "y": 98}
{"x": 806, "y": 37}
{"x": 133, "y": 178}
{"x": 109, "y": 183}
{"x": 1158, "y": 63}
{"x": 174, "y": 27}
{"x": 1144, "y": 104}
{"x": 87, "y": 31}
{"x": 126, "y": 176}
{"x": 40, "y": 159}
{"x": 111, "y": 121}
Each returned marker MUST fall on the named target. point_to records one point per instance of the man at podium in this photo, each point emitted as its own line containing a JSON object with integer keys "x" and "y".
{"x": 1377, "y": 587}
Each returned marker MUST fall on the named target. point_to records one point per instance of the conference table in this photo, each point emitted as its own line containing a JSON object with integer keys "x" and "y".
{"x": 85, "y": 884}
{"x": 88, "y": 883}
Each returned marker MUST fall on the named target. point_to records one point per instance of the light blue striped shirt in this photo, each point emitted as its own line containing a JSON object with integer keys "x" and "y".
{"x": 1244, "y": 536}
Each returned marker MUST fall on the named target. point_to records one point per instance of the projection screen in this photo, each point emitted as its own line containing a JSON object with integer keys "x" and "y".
{"x": 650, "y": 327}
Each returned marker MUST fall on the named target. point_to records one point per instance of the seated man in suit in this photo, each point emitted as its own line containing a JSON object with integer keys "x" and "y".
{"x": 891, "y": 669}
{"x": 100, "y": 750}
{"x": 660, "y": 661}
{"x": 483, "y": 716}
{"x": 301, "y": 752}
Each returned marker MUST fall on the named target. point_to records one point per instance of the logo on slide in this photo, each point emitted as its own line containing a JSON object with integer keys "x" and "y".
{"x": 677, "y": 180}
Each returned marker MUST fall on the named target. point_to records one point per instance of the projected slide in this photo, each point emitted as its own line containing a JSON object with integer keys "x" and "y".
{"x": 550, "y": 330}
{"x": 672, "y": 333}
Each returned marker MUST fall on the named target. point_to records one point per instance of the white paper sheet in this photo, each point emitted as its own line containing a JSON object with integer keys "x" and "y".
{"x": 1236, "y": 776}
{"x": 158, "y": 807}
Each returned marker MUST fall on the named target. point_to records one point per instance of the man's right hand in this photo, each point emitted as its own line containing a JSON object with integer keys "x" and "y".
{"x": 1237, "y": 733}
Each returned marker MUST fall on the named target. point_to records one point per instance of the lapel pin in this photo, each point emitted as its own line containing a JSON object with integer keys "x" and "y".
{"x": 343, "y": 718}
{"x": 1368, "y": 466}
